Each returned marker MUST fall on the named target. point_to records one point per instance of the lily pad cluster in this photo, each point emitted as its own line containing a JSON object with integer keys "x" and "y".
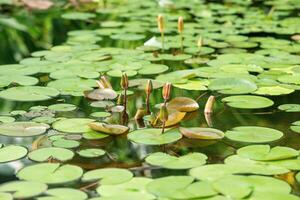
{"x": 99, "y": 128}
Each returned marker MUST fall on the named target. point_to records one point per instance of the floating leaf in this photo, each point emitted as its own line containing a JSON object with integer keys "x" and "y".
{"x": 172, "y": 162}
{"x": 69, "y": 144}
{"x": 232, "y": 85}
{"x": 101, "y": 94}
{"x": 289, "y": 107}
{"x": 23, "y": 129}
{"x": 29, "y": 93}
{"x": 108, "y": 176}
{"x": 91, "y": 153}
{"x": 44, "y": 154}
{"x": 111, "y": 129}
{"x": 202, "y": 133}
{"x": 296, "y": 126}
{"x": 167, "y": 186}
{"x": 23, "y": 189}
{"x": 248, "y": 101}
{"x": 266, "y": 153}
{"x": 50, "y": 173}
{"x": 132, "y": 189}
{"x": 12, "y": 152}
{"x": 253, "y": 134}
{"x": 64, "y": 193}
{"x": 73, "y": 125}
{"x": 63, "y": 107}
{"x": 154, "y": 136}
{"x": 183, "y": 104}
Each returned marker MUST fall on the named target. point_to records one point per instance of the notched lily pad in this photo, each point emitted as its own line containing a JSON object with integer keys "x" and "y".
{"x": 202, "y": 133}
{"x": 111, "y": 129}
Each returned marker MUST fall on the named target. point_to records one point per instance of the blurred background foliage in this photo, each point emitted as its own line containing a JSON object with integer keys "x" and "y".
{"x": 31, "y": 25}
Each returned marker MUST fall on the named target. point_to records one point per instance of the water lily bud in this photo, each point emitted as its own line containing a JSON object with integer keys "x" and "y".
{"x": 180, "y": 24}
{"x": 105, "y": 82}
{"x": 200, "y": 42}
{"x": 124, "y": 81}
{"x": 160, "y": 23}
{"x": 166, "y": 91}
{"x": 209, "y": 105}
{"x": 163, "y": 113}
{"x": 149, "y": 87}
{"x": 120, "y": 100}
{"x": 140, "y": 113}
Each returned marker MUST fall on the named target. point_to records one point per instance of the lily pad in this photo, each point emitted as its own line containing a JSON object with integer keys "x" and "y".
{"x": 248, "y": 101}
{"x": 289, "y": 107}
{"x": 50, "y": 173}
{"x": 253, "y": 134}
{"x": 23, "y": 189}
{"x": 110, "y": 129}
{"x": 132, "y": 189}
{"x": 64, "y": 193}
{"x": 266, "y": 153}
{"x": 12, "y": 152}
{"x": 44, "y": 154}
{"x": 91, "y": 153}
{"x": 172, "y": 162}
{"x": 183, "y": 104}
{"x": 232, "y": 85}
{"x": 63, "y": 107}
{"x": 202, "y": 133}
{"x": 29, "y": 93}
{"x": 73, "y": 125}
{"x": 108, "y": 176}
{"x": 23, "y": 129}
{"x": 152, "y": 136}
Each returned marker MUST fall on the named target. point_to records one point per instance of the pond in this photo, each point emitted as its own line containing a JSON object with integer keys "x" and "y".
{"x": 165, "y": 100}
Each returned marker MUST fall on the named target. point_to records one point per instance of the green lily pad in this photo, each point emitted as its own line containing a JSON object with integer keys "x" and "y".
{"x": 29, "y": 93}
{"x": 248, "y": 101}
{"x": 6, "y": 196}
{"x": 172, "y": 162}
{"x": 108, "y": 176}
{"x": 50, "y": 173}
{"x": 233, "y": 186}
{"x": 91, "y": 153}
{"x": 6, "y": 119}
{"x": 166, "y": 187}
{"x": 296, "y": 126}
{"x": 73, "y": 125}
{"x": 253, "y": 134}
{"x": 266, "y": 153}
{"x": 23, "y": 189}
{"x": 78, "y": 16}
{"x": 289, "y": 107}
{"x": 201, "y": 133}
{"x": 12, "y": 152}
{"x": 94, "y": 135}
{"x": 23, "y": 129}
{"x": 132, "y": 189}
{"x": 63, "y": 107}
{"x": 273, "y": 90}
{"x": 154, "y": 136}
{"x": 68, "y": 144}
{"x": 100, "y": 114}
{"x": 232, "y": 85}
{"x": 64, "y": 193}
{"x": 44, "y": 154}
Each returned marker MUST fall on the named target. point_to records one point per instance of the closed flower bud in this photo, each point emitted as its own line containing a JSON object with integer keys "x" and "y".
{"x": 163, "y": 113}
{"x": 200, "y": 42}
{"x": 149, "y": 87}
{"x": 180, "y": 24}
{"x": 166, "y": 91}
{"x": 120, "y": 100}
{"x": 209, "y": 105}
{"x": 124, "y": 81}
{"x": 160, "y": 23}
{"x": 105, "y": 82}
